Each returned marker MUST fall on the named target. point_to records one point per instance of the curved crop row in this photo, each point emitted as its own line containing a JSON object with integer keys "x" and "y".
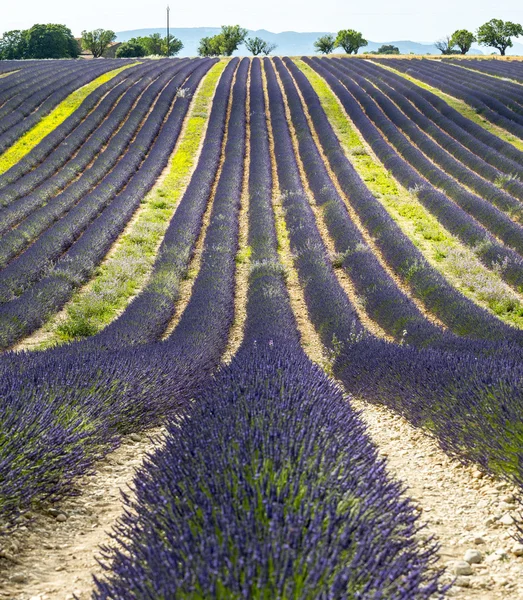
{"x": 462, "y": 133}
{"x": 488, "y": 107}
{"x": 387, "y": 119}
{"x": 465, "y": 166}
{"x": 27, "y": 312}
{"x": 503, "y": 91}
{"x": 457, "y": 263}
{"x": 208, "y": 316}
{"x": 493, "y": 254}
{"x": 269, "y": 314}
{"x": 51, "y": 131}
{"x": 149, "y": 313}
{"x": 383, "y": 301}
{"x": 268, "y": 488}
{"x": 329, "y": 308}
{"x": 68, "y": 164}
{"x": 83, "y": 200}
{"x": 102, "y": 153}
{"x": 129, "y": 265}
{"x": 497, "y": 68}
{"x": 34, "y": 105}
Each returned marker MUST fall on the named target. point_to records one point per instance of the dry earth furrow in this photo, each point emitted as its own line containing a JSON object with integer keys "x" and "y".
{"x": 55, "y": 555}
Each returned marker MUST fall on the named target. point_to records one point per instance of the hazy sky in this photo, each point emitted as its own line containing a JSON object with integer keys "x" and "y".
{"x": 378, "y": 20}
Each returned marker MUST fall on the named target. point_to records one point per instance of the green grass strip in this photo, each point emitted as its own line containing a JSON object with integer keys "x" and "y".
{"x": 463, "y": 108}
{"x": 128, "y": 266}
{"x": 49, "y": 123}
{"x": 456, "y": 262}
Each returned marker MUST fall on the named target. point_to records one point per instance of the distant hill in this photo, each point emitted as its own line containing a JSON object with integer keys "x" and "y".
{"x": 290, "y": 43}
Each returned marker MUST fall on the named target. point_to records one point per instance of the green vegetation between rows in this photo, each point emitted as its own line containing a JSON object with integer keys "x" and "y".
{"x": 126, "y": 269}
{"x": 453, "y": 260}
{"x": 463, "y": 108}
{"x": 65, "y": 109}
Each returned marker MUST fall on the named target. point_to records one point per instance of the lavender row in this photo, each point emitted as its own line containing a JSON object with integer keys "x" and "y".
{"x": 101, "y": 152}
{"x": 270, "y": 319}
{"x": 384, "y": 302}
{"x": 61, "y": 412}
{"x": 488, "y": 107}
{"x": 268, "y": 488}
{"x": 489, "y": 140}
{"x": 60, "y": 145}
{"x": 149, "y": 313}
{"x": 502, "y": 96}
{"x": 505, "y": 92}
{"x": 502, "y": 157}
{"x": 466, "y": 167}
{"x": 328, "y": 306}
{"x": 26, "y": 313}
{"x": 386, "y": 117}
{"x": 41, "y": 100}
{"x": 457, "y": 221}
{"x": 107, "y": 177}
{"x": 472, "y": 405}
{"x": 208, "y": 316}
{"x": 498, "y": 68}
{"x": 16, "y": 87}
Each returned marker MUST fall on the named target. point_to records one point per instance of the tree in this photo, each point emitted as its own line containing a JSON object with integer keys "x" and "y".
{"x": 97, "y": 41}
{"x": 445, "y": 45}
{"x": 209, "y": 46}
{"x": 175, "y": 45}
{"x": 351, "y": 41}
{"x": 463, "y": 39}
{"x": 225, "y": 43}
{"x": 497, "y": 33}
{"x": 258, "y": 46}
{"x": 13, "y": 45}
{"x": 230, "y": 38}
{"x": 325, "y": 44}
{"x": 130, "y": 49}
{"x": 388, "y": 49}
{"x": 156, "y": 45}
{"x": 50, "y": 41}
{"x": 268, "y": 48}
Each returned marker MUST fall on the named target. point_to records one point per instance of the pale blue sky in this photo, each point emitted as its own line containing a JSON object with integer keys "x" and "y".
{"x": 378, "y": 20}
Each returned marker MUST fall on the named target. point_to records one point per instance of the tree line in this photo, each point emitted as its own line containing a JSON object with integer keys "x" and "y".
{"x": 495, "y": 34}
{"x": 57, "y": 41}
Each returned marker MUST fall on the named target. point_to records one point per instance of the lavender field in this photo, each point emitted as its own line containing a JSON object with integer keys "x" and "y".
{"x": 234, "y": 250}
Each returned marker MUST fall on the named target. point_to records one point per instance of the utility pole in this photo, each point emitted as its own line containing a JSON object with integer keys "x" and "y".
{"x": 168, "y": 45}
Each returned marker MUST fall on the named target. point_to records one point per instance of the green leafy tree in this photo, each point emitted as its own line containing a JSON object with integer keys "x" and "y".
{"x": 130, "y": 49}
{"x": 175, "y": 45}
{"x": 156, "y": 45}
{"x": 153, "y": 44}
{"x": 325, "y": 44}
{"x": 258, "y": 46}
{"x": 463, "y": 39}
{"x": 350, "y": 40}
{"x": 255, "y": 45}
{"x": 388, "y": 49}
{"x": 497, "y": 33}
{"x": 209, "y": 46}
{"x": 225, "y": 43}
{"x": 230, "y": 38}
{"x": 51, "y": 41}
{"x": 13, "y": 45}
{"x": 97, "y": 41}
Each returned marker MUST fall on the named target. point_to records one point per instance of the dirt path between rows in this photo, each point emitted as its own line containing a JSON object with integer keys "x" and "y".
{"x": 463, "y": 509}
{"x": 54, "y": 556}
